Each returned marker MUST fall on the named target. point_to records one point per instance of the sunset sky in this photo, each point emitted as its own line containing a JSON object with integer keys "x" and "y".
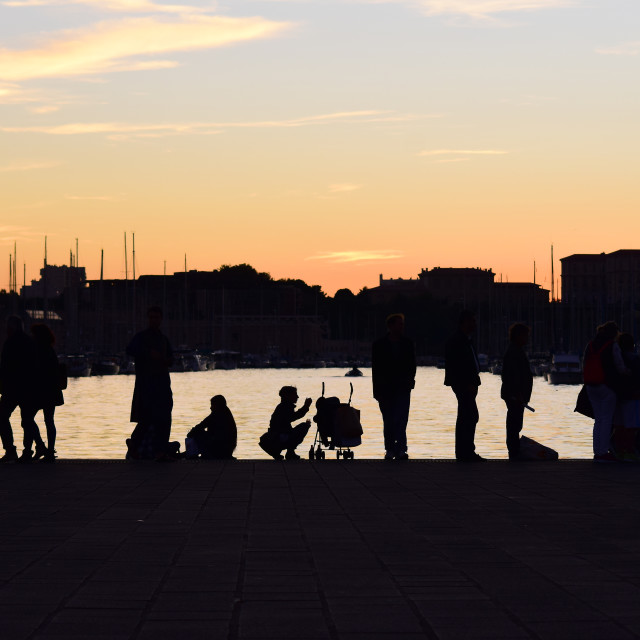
{"x": 330, "y": 140}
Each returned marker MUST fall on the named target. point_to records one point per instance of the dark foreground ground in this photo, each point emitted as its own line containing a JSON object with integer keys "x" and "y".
{"x": 350, "y": 550}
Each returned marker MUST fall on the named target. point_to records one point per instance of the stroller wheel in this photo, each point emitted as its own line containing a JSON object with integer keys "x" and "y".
{"x": 311, "y": 453}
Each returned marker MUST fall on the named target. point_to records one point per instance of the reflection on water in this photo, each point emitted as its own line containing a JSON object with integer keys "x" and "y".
{"x": 94, "y": 421}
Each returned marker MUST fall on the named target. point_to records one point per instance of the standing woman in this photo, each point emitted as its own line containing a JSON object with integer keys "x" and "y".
{"x": 48, "y": 392}
{"x": 517, "y": 383}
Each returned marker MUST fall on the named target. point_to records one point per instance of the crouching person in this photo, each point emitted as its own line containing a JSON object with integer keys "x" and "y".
{"x": 216, "y": 436}
{"x": 281, "y": 434}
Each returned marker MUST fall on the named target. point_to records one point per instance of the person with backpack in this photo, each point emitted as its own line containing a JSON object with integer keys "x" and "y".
{"x": 603, "y": 367}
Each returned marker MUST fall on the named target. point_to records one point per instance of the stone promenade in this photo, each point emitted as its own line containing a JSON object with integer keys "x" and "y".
{"x": 350, "y": 550}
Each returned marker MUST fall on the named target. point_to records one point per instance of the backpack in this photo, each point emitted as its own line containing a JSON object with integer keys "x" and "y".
{"x": 592, "y": 370}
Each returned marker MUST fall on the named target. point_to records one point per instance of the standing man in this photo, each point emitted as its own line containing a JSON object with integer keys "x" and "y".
{"x": 393, "y": 370}
{"x": 462, "y": 375}
{"x": 152, "y": 398}
{"x": 517, "y": 383}
{"x": 17, "y": 373}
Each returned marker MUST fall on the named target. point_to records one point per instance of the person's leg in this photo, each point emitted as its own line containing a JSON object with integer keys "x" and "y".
{"x": 295, "y": 438}
{"x": 31, "y": 431}
{"x": 515, "y": 414}
{"x": 386, "y": 409}
{"x": 49, "y": 421}
{"x": 402, "y": 403}
{"x": 161, "y": 436}
{"x": 7, "y": 407}
{"x": 603, "y": 401}
{"x": 466, "y": 421}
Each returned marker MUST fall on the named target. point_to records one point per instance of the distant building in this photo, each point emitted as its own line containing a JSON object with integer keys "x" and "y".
{"x": 199, "y": 312}
{"x": 497, "y": 304}
{"x": 467, "y": 287}
{"x": 53, "y": 281}
{"x": 596, "y": 288}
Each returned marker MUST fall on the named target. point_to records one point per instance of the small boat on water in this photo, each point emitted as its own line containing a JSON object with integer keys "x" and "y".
{"x": 565, "y": 369}
{"x": 225, "y": 359}
{"x": 107, "y": 366}
{"x": 195, "y": 362}
{"x": 78, "y": 366}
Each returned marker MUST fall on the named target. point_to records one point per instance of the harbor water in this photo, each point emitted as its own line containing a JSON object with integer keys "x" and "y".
{"x": 94, "y": 421}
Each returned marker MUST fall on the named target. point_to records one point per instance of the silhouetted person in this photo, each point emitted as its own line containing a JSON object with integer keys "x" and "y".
{"x": 17, "y": 367}
{"x": 462, "y": 375}
{"x": 602, "y": 371}
{"x": 393, "y": 371}
{"x": 626, "y": 420}
{"x": 517, "y": 384}
{"x": 281, "y": 434}
{"x": 48, "y": 394}
{"x": 152, "y": 398}
{"x": 217, "y": 435}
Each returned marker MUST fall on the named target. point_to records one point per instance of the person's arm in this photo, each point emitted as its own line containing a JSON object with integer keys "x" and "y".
{"x": 412, "y": 364}
{"x": 302, "y": 411}
{"x": 618, "y": 360}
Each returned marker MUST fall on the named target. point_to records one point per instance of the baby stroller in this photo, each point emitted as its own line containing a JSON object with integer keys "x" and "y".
{"x": 338, "y": 427}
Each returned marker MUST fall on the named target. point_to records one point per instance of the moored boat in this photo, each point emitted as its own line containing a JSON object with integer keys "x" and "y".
{"x": 78, "y": 366}
{"x": 107, "y": 366}
{"x": 565, "y": 369}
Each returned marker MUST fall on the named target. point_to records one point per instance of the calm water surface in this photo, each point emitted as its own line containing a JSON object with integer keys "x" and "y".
{"x": 94, "y": 421}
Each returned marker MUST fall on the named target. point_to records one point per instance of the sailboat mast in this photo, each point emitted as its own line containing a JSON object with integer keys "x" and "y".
{"x": 553, "y": 295}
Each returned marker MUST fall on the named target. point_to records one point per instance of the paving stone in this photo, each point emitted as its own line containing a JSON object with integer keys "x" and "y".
{"x": 366, "y": 550}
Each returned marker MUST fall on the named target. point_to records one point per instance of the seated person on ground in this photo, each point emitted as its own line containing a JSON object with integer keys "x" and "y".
{"x": 216, "y": 436}
{"x": 281, "y": 434}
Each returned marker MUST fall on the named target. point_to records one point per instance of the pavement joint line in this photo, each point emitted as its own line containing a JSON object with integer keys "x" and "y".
{"x": 61, "y": 606}
{"x": 158, "y": 590}
{"x": 333, "y": 631}
{"x": 234, "y": 622}
{"x": 426, "y": 627}
{"x": 532, "y": 549}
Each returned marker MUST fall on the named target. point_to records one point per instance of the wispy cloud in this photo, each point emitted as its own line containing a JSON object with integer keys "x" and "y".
{"x": 123, "y": 129}
{"x": 11, "y": 233}
{"x": 343, "y": 187}
{"x": 112, "y": 45}
{"x": 482, "y": 9}
{"x": 357, "y": 256}
{"x": 45, "y": 108}
{"x": 120, "y": 6}
{"x": 463, "y": 152}
{"x": 95, "y": 198}
{"x": 28, "y": 166}
{"x": 624, "y": 49}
